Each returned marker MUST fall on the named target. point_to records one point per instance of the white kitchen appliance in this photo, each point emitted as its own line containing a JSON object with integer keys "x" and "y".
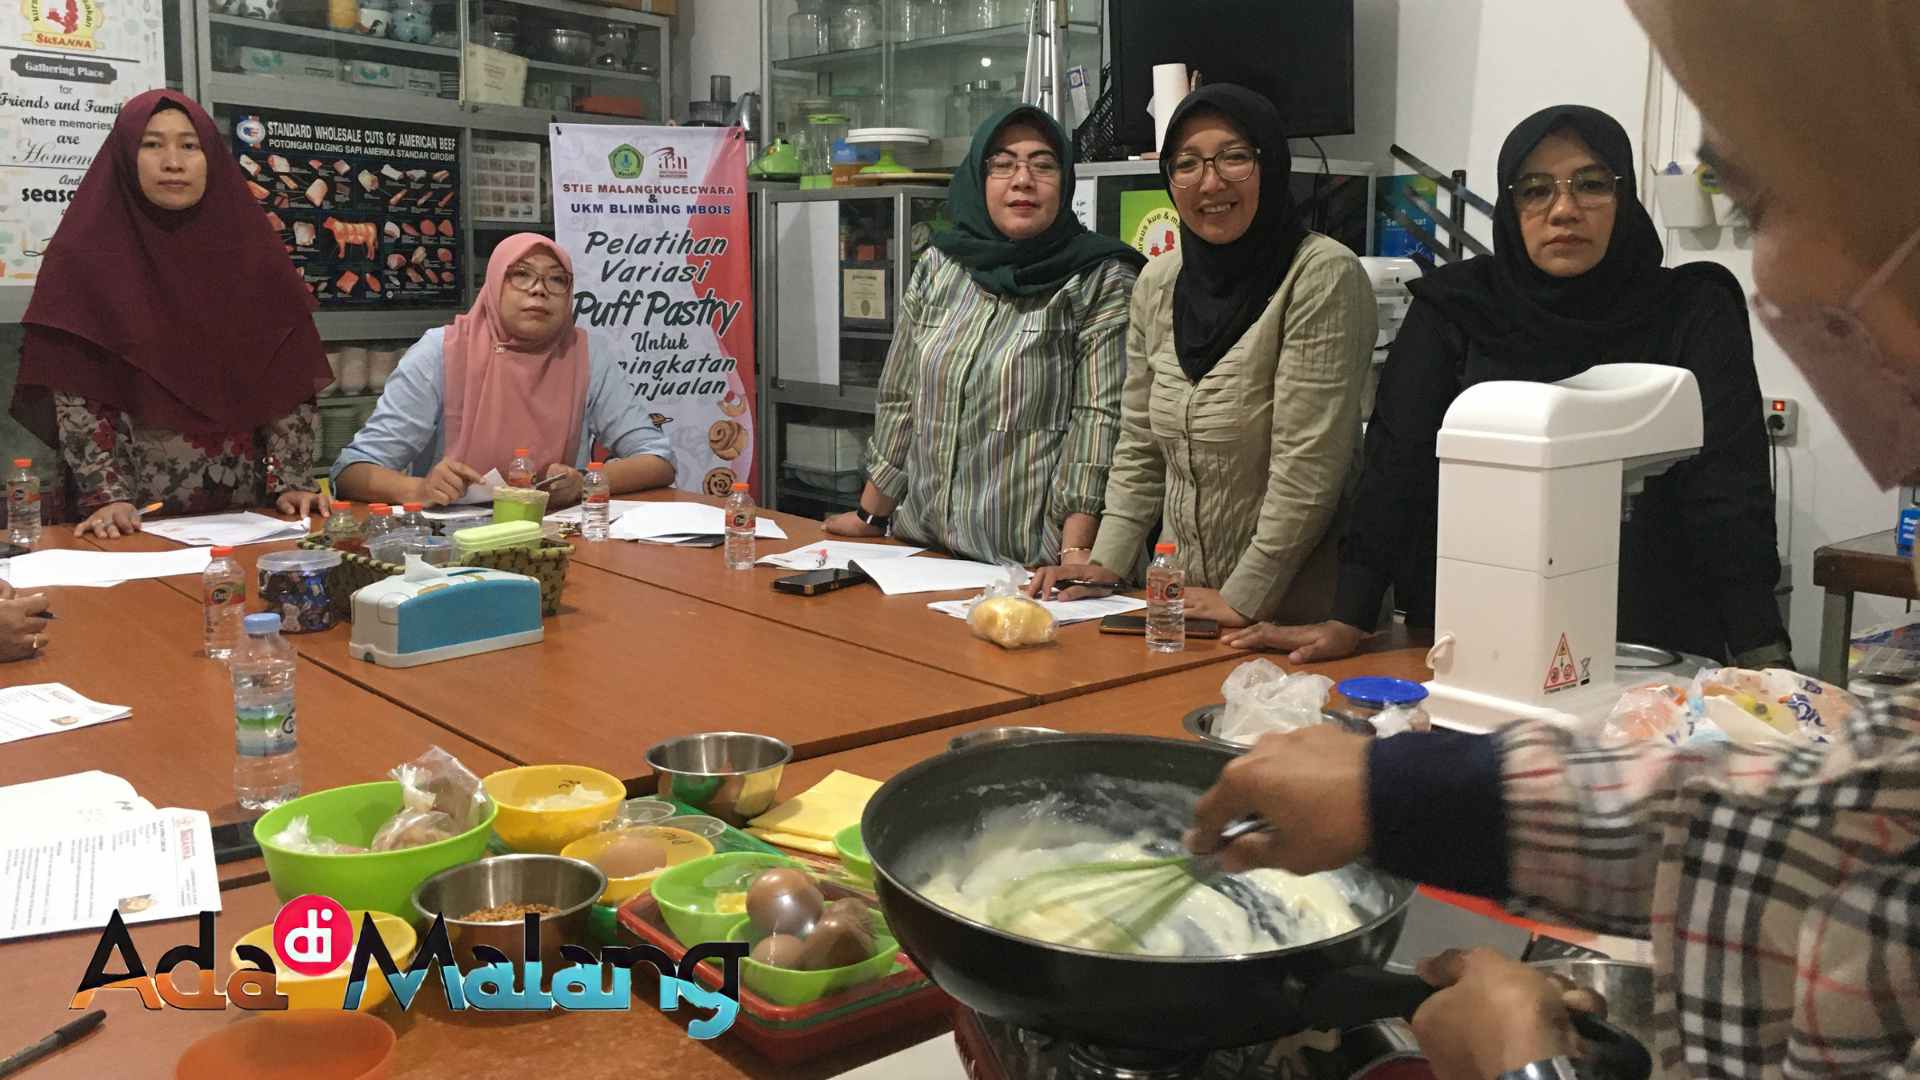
{"x": 1528, "y": 569}
{"x": 1391, "y": 298}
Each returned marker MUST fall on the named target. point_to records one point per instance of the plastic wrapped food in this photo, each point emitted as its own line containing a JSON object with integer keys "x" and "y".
{"x": 1741, "y": 704}
{"x": 1006, "y": 618}
{"x": 439, "y": 800}
{"x": 1655, "y": 711}
{"x": 295, "y": 837}
{"x": 1262, "y": 697}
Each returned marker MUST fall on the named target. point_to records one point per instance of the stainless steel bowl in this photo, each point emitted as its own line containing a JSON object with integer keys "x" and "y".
{"x": 1199, "y": 724}
{"x": 1627, "y": 987}
{"x": 732, "y": 775}
{"x": 997, "y": 734}
{"x": 563, "y": 46}
{"x": 568, "y": 884}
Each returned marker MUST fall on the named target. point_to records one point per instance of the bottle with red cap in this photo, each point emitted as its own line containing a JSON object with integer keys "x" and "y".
{"x": 223, "y": 592}
{"x": 520, "y": 472}
{"x": 596, "y": 503}
{"x": 23, "y": 504}
{"x": 740, "y": 529}
{"x": 413, "y": 516}
{"x": 1166, "y": 602}
{"x": 343, "y": 531}
{"x": 379, "y": 523}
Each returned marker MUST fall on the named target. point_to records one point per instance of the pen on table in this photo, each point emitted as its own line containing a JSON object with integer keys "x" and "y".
{"x": 70, "y": 1032}
{"x": 147, "y": 509}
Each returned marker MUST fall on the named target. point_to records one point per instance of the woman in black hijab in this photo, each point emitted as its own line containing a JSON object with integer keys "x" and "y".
{"x": 1575, "y": 280}
{"x": 1247, "y": 352}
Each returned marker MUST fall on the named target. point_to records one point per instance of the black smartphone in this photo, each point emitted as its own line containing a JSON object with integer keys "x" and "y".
{"x": 233, "y": 842}
{"x": 815, "y": 582}
{"x": 1137, "y": 624}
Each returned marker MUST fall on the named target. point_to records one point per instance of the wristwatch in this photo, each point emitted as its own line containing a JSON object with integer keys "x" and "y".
{"x": 878, "y": 521}
{"x": 1560, "y": 1067}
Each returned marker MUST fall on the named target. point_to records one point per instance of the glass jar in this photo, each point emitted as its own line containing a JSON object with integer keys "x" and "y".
{"x": 412, "y": 21}
{"x": 854, "y": 24}
{"x": 920, "y": 19}
{"x": 806, "y": 30}
{"x": 975, "y": 15}
{"x": 1010, "y": 13}
{"x": 1390, "y": 705}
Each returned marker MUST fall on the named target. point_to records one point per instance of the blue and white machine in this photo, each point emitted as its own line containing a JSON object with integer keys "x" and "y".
{"x": 429, "y": 614}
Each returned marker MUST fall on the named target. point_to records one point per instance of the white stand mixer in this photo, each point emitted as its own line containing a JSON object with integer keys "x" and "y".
{"x": 1528, "y": 569}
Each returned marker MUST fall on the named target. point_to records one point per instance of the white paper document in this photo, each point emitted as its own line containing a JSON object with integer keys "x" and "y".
{"x": 1064, "y": 612}
{"x": 458, "y": 514}
{"x": 227, "y": 530}
{"x": 149, "y": 865}
{"x": 77, "y": 799}
{"x": 482, "y": 492}
{"x": 897, "y": 577}
{"x": 572, "y": 514}
{"x": 48, "y": 709}
{"x": 655, "y": 520}
{"x": 835, "y": 554}
{"x": 62, "y": 567}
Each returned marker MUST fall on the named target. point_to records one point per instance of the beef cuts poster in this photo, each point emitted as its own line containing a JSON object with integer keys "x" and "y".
{"x": 368, "y": 210}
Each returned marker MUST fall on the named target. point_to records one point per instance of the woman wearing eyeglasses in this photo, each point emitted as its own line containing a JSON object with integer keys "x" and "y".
{"x": 512, "y": 373}
{"x": 1246, "y": 354}
{"x": 1000, "y": 400}
{"x": 1575, "y": 280}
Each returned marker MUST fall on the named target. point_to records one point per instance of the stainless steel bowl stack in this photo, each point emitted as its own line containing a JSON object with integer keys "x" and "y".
{"x": 732, "y": 775}
{"x": 567, "y": 884}
{"x": 564, "y": 46}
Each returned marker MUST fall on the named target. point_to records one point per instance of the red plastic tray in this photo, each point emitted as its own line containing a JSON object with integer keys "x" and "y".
{"x": 788, "y": 1034}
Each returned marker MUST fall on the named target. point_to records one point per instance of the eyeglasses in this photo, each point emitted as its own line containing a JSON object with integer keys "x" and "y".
{"x": 1041, "y": 168}
{"x": 1233, "y": 165}
{"x": 556, "y": 283}
{"x": 1591, "y": 189}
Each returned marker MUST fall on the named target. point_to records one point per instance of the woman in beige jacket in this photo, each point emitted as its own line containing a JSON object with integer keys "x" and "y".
{"x": 1246, "y": 354}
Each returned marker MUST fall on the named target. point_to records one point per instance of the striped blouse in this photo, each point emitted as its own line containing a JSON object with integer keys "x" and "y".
{"x": 997, "y": 415}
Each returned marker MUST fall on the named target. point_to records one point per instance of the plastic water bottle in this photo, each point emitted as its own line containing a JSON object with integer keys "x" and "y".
{"x": 23, "y": 504}
{"x": 520, "y": 471}
{"x": 223, "y": 596}
{"x": 343, "y": 531}
{"x": 1166, "y": 602}
{"x": 412, "y": 517}
{"x": 266, "y": 766}
{"x": 379, "y": 523}
{"x": 740, "y": 526}
{"x": 595, "y": 503}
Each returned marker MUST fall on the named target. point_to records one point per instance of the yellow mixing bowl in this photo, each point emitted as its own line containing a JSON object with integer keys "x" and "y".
{"x": 525, "y": 829}
{"x": 329, "y": 990}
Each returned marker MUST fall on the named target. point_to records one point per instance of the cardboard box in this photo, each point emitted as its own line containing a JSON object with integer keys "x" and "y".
{"x": 494, "y": 77}
{"x": 373, "y": 73}
{"x": 651, "y": 7}
{"x": 425, "y": 81}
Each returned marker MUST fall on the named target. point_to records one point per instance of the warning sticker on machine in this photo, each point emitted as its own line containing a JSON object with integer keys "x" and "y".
{"x": 1561, "y": 673}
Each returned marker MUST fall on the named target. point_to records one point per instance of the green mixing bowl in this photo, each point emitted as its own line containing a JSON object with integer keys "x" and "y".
{"x": 853, "y": 852}
{"x": 691, "y": 895}
{"x": 374, "y": 880}
{"x": 785, "y": 986}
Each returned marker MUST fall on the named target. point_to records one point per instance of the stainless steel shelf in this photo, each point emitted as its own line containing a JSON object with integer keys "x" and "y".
{"x": 342, "y": 37}
{"x": 502, "y": 224}
{"x": 853, "y": 399}
{"x": 356, "y": 324}
{"x": 591, "y": 72}
{"x": 318, "y": 95}
{"x": 998, "y": 37}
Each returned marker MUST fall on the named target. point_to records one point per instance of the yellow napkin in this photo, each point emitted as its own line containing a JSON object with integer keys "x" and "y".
{"x": 808, "y": 820}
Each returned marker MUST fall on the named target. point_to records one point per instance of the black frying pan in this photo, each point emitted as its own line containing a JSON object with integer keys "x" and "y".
{"x": 1110, "y": 999}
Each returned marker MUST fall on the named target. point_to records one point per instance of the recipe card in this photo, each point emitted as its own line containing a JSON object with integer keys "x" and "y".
{"x": 148, "y": 866}
{"x": 48, "y": 709}
{"x": 227, "y": 530}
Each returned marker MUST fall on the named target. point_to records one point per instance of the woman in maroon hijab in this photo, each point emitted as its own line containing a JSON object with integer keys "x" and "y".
{"x": 170, "y": 351}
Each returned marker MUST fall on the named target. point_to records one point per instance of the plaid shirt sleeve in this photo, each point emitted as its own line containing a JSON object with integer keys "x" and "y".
{"x": 1780, "y": 886}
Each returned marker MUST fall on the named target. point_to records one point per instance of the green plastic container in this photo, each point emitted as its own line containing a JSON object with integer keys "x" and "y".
{"x": 687, "y": 894}
{"x": 852, "y": 848}
{"x": 375, "y": 880}
{"x": 785, "y": 986}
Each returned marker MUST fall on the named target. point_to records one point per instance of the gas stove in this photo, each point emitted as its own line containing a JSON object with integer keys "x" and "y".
{"x": 994, "y": 1050}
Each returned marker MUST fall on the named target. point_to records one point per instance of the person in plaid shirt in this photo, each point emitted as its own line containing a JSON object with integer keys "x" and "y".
{"x": 1780, "y": 885}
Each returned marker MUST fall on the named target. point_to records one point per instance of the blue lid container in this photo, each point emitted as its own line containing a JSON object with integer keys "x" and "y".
{"x": 1380, "y": 692}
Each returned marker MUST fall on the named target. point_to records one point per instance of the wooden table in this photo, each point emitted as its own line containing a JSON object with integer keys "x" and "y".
{"x": 1155, "y": 707}
{"x": 1866, "y": 564}
{"x": 1082, "y": 660}
{"x": 625, "y": 665}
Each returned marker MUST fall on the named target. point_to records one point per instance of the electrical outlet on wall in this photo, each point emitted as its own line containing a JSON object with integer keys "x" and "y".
{"x": 1782, "y": 417}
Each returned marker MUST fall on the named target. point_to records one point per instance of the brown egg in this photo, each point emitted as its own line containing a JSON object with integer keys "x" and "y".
{"x": 630, "y": 856}
{"x": 851, "y": 908}
{"x": 783, "y": 901}
{"x": 779, "y": 950}
{"x": 837, "y": 941}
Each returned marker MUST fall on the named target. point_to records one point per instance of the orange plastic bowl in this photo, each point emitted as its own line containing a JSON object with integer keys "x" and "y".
{"x": 293, "y": 1046}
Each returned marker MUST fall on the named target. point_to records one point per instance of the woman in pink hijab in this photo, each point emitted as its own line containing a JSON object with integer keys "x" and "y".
{"x": 511, "y": 374}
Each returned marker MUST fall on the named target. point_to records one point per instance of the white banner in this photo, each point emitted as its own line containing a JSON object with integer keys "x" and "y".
{"x": 656, "y": 221}
{"x": 66, "y": 66}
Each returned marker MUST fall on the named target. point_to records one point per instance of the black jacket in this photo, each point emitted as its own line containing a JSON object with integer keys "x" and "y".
{"x": 1698, "y": 561}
